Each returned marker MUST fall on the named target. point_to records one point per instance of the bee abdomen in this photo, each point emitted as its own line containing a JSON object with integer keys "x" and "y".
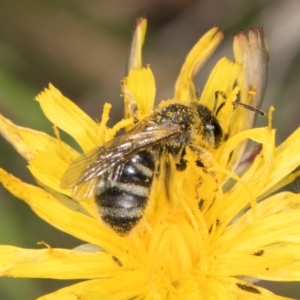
{"x": 121, "y": 209}
{"x": 122, "y": 202}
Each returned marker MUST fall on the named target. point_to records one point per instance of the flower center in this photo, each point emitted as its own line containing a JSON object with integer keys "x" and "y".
{"x": 175, "y": 248}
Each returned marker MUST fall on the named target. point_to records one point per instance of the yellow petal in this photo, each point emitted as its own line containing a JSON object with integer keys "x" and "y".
{"x": 135, "y": 56}
{"x": 252, "y": 53}
{"x": 55, "y": 213}
{"x": 244, "y": 290}
{"x": 184, "y": 88}
{"x": 263, "y": 136}
{"x": 56, "y": 263}
{"x": 139, "y": 87}
{"x": 27, "y": 141}
{"x": 221, "y": 79}
{"x": 275, "y": 204}
{"x": 289, "y": 272}
{"x": 48, "y": 170}
{"x": 291, "y": 178}
{"x": 66, "y": 115}
{"x": 86, "y": 290}
{"x": 117, "y": 288}
{"x": 261, "y": 232}
{"x": 286, "y": 160}
{"x": 235, "y": 263}
{"x": 127, "y": 287}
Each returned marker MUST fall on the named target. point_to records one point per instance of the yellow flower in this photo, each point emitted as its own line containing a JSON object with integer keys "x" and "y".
{"x": 211, "y": 232}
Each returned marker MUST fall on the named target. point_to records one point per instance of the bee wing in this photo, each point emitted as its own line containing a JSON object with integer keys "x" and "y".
{"x": 105, "y": 157}
{"x": 85, "y": 190}
{"x": 78, "y": 167}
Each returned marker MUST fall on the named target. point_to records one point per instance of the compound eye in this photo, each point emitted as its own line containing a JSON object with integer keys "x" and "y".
{"x": 216, "y": 130}
{"x": 218, "y": 133}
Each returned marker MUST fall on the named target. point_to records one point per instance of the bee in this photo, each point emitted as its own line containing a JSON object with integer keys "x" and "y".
{"x": 119, "y": 174}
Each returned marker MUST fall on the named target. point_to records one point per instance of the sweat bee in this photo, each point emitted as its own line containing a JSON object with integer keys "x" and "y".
{"x": 119, "y": 174}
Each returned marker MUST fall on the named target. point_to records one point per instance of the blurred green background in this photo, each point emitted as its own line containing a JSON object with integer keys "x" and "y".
{"x": 82, "y": 47}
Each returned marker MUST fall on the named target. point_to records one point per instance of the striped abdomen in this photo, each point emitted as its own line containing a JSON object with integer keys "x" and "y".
{"x": 122, "y": 201}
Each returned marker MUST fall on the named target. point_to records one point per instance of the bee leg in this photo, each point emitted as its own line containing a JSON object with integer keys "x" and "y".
{"x": 178, "y": 152}
{"x": 217, "y": 109}
{"x": 204, "y": 158}
{"x": 182, "y": 163}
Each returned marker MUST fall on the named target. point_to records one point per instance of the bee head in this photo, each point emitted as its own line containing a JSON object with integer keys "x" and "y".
{"x": 211, "y": 129}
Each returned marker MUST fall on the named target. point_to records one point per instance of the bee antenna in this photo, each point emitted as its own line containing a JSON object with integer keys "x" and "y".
{"x": 235, "y": 104}
{"x": 249, "y": 107}
{"x": 219, "y": 108}
{"x": 217, "y": 93}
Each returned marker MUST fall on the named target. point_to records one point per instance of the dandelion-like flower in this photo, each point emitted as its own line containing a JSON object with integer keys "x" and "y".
{"x": 210, "y": 229}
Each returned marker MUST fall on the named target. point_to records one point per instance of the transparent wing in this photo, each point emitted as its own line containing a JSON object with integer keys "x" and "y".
{"x": 85, "y": 190}
{"x": 103, "y": 158}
